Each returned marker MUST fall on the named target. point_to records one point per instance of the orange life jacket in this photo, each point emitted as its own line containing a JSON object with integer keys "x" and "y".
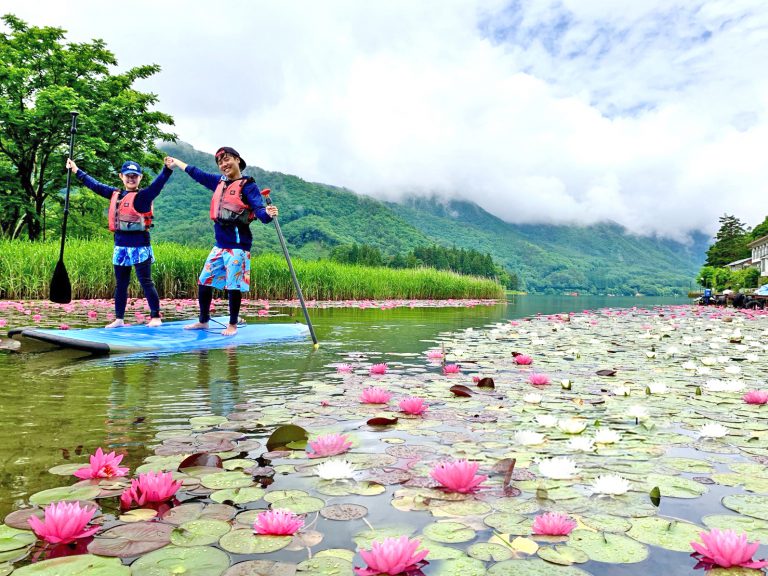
{"x": 123, "y": 216}
{"x": 228, "y": 205}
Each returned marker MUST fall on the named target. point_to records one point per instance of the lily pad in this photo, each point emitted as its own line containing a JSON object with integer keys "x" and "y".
{"x": 675, "y": 486}
{"x": 172, "y": 560}
{"x": 344, "y": 512}
{"x": 246, "y": 542}
{"x": 64, "y": 493}
{"x": 489, "y": 552}
{"x": 197, "y": 510}
{"x": 83, "y": 565}
{"x": 13, "y": 538}
{"x": 608, "y": 547}
{"x": 199, "y": 532}
{"x": 129, "y": 540}
{"x": 449, "y": 532}
{"x": 238, "y": 495}
{"x": 325, "y": 566}
{"x": 756, "y": 529}
{"x": 668, "y": 533}
{"x": 261, "y": 568}
{"x": 284, "y": 435}
{"x": 299, "y": 504}
{"x": 749, "y": 504}
{"x": 463, "y": 566}
{"x": 607, "y": 523}
{"x": 533, "y": 567}
{"x": 562, "y": 555}
{"x": 227, "y": 480}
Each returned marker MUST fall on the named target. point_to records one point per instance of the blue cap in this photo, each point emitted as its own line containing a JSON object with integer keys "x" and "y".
{"x": 130, "y": 167}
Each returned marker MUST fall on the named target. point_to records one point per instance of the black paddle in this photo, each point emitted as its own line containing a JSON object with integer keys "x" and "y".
{"x": 267, "y": 199}
{"x": 61, "y": 289}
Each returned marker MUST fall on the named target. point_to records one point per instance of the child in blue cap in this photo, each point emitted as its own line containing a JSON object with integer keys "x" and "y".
{"x": 130, "y": 218}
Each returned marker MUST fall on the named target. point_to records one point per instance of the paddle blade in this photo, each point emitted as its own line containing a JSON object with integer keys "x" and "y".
{"x": 61, "y": 289}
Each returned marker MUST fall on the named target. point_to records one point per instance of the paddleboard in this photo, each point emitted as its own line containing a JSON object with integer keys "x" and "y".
{"x": 170, "y": 336}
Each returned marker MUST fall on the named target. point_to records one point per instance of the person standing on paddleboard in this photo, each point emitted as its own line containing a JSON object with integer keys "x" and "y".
{"x": 130, "y": 218}
{"x": 235, "y": 203}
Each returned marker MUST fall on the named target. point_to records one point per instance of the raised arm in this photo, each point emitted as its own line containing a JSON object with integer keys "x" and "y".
{"x": 88, "y": 182}
{"x": 210, "y": 181}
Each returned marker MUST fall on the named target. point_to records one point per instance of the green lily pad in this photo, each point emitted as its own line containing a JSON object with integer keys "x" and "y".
{"x": 608, "y": 547}
{"x": 533, "y": 567}
{"x": 201, "y": 422}
{"x": 238, "y": 495}
{"x": 448, "y": 532}
{"x": 67, "y": 469}
{"x": 756, "y": 529}
{"x": 688, "y": 465}
{"x": 238, "y": 463}
{"x": 173, "y": 560}
{"x": 508, "y": 523}
{"x": 246, "y": 542}
{"x": 325, "y": 566}
{"x": 607, "y": 523}
{"x": 461, "y": 508}
{"x": 365, "y": 538}
{"x": 227, "y": 480}
{"x": 83, "y": 565}
{"x": 13, "y": 538}
{"x": 132, "y": 539}
{"x": 463, "y": 566}
{"x": 489, "y": 552}
{"x": 199, "y": 532}
{"x": 675, "y": 486}
{"x": 668, "y": 533}
{"x": 64, "y": 493}
{"x": 261, "y": 568}
{"x": 197, "y": 510}
{"x": 439, "y": 551}
{"x": 562, "y": 555}
{"x": 299, "y": 504}
{"x": 285, "y": 435}
{"x": 748, "y": 504}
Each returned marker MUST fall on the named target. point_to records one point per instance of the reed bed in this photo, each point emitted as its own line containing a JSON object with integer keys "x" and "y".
{"x": 26, "y": 269}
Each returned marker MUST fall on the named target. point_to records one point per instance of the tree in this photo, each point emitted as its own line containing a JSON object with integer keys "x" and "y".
{"x": 759, "y": 231}
{"x": 730, "y": 243}
{"x": 42, "y": 79}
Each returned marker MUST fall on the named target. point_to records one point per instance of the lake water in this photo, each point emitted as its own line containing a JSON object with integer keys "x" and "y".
{"x": 56, "y": 404}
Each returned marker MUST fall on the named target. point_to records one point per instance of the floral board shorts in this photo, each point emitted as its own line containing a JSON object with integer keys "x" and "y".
{"x": 227, "y": 269}
{"x": 131, "y": 255}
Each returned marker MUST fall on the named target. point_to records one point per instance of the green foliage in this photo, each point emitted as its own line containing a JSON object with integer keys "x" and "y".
{"x": 759, "y": 231}
{"x": 722, "y": 278}
{"x": 43, "y": 79}
{"x": 26, "y": 269}
{"x": 730, "y": 243}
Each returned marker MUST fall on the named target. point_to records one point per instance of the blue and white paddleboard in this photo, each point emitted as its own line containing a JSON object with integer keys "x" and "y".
{"x": 170, "y": 336}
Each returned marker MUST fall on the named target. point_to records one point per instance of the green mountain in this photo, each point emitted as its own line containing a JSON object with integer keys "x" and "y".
{"x": 314, "y": 218}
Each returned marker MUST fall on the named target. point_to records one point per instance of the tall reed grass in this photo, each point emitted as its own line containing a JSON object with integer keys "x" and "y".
{"x": 26, "y": 269}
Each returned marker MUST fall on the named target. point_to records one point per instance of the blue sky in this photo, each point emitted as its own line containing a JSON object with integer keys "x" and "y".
{"x": 652, "y": 114}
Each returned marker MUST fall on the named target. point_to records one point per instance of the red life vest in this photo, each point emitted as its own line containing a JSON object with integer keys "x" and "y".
{"x": 228, "y": 205}
{"x": 123, "y": 216}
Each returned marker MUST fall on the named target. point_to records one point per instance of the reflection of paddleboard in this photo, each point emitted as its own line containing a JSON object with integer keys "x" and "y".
{"x": 169, "y": 336}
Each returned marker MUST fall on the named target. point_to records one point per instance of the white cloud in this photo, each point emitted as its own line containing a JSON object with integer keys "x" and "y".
{"x": 651, "y": 114}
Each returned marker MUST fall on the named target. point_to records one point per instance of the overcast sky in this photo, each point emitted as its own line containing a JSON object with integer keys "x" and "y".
{"x": 650, "y": 113}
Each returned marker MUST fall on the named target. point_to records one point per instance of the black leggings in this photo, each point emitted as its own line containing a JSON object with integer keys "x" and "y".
{"x": 205, "y": 296}
{"x": 144, "y": 274}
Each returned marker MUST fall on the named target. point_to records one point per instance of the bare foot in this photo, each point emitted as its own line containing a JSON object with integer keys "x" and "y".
{"x": 154, "y": 322}
{"x": 230, "y": 330}
{"x": 116, "y": 323}
{"x": 197, "y": 326}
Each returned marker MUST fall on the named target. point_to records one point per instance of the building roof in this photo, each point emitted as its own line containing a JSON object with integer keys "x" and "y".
{"x": 742, "y": 261}
{"x": 758, "y": 242}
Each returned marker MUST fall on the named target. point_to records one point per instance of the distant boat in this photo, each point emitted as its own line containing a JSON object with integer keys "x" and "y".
{"x": 638, "y": 295}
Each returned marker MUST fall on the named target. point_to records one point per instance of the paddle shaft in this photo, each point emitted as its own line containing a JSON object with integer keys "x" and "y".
{"x": 268, "y": 200}
{"x": 72, "y": 131}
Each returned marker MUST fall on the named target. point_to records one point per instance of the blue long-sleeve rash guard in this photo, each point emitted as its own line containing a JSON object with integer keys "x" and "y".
{"x": 233, "y": 235}
{"x": 143, "y": 203}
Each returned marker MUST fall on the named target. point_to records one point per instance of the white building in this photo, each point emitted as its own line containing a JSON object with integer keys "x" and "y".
{"x": 740, "y": 264}
{"x": 760, "y": 254}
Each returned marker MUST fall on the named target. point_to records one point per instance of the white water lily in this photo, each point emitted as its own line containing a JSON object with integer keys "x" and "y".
{"x": 732, "y": 369}
{"x": 690, "y": 365}
{"x": 638, "y": 412}
{"x": 713, "y": 430}
{"x": 558, "y": 468}
{"x": 532, "y": 398}
{"x": 337, "y": 469}
{"x": 708, "y": 361}
{"x": 715, "y": 385}
{"x": 621, "y": 390}
{"x": 528, "y": 438}
{"x": 657, "y": 388}
{"x": 672, "y": 350}
{"x": 546, "y": 420}
{"x": 703, "y": 370}
{"x": 610, "y": 484}
{"x": 649, "y": 354}
{"x": 606, "y": 436}
{"x": 581, "y": 444}
{"x": 723, "y": 359}
{"x": 572, "y": 425}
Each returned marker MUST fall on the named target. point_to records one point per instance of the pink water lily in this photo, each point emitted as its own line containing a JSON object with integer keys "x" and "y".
{"x": 434, "y": 354}
{"x": 538, "y": 379}
{"x": 378, "y": 369}
{"x": 523, "y": 360}
{"x": 725, "y": 549}
{"x": 553, "y": 524}
{"x": 328, "y": 445}
{"x": 277, "y": 523}
{"x": 451, "y": 369}
{"x": 151, "y": 487}
{"x": 373, "y": 395}
{"x": 344, "y": 368}
{"x": 412, "y": 405}
{"x": 64, "y": 522}
{"x": 458, "y": 476}
{"x": 102, "y": 466}
{"x": 756, "y": 397}
{"x": 391, "y": 556}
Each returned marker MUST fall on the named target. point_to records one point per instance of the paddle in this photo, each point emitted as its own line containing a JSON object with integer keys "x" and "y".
{"x": 61, "y": 289}
{"x": 268, "y": 200}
